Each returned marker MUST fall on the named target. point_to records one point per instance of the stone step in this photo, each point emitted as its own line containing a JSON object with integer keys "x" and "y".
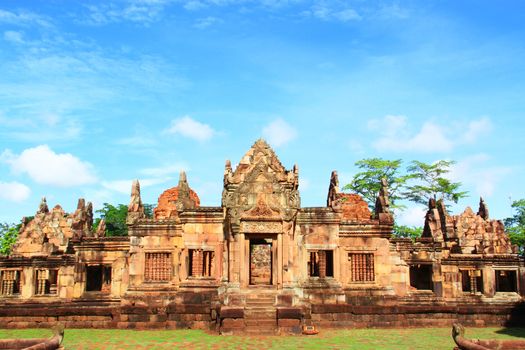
{"x": 268, "y": 301}
{"x": 263, "y": 323}
{"x": 261, "y": 331}
{"x": 260, "y": 314}
{"x": 260, "y": 301}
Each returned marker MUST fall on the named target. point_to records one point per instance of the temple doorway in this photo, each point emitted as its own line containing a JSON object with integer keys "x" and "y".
{"x": 261, "y": 261}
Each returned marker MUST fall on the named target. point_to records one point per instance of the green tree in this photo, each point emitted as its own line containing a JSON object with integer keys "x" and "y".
{"x": 8, "y": 236}
{"x": 403, "y": 231}
{"x": 367, "y": 182}
{"x": 515, "y": 225}
{"x": 429, "y": 181}
{"x": 115, "y": 217}
{"x": 148, "y": 210}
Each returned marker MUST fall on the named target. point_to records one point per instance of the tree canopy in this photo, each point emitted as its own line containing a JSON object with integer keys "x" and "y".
{"x": 419, "y": 182}
{"x": 8, "y": 236}
{"x": 429, "y": 181}
{"x": 404, "y": 231}
{"x": 515, "y": 225}
{"x": 115, "y": 217}
{"x": 367, "y": 182}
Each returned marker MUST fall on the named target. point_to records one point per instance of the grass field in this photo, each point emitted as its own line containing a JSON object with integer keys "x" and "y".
{"x": 419, "y": 338}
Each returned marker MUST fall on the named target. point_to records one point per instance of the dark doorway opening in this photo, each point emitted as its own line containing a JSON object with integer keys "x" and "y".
{"x": 421, "y": 277}
{"x": 98, "y": 278}
{"x": 261, "y": 261}
{"x": 506, "y": 281}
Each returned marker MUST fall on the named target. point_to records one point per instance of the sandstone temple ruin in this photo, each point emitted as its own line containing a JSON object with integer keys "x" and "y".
{"x": 260, "y": 262}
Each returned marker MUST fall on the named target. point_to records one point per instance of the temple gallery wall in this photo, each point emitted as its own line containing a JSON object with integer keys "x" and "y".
{"x": 260, "y": 262}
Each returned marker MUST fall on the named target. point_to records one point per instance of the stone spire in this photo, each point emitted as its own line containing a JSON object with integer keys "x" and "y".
{"x": 101, "y": 229}
{"x": 135, "y": 208}
{"x": 82, "y": 219}
{"x": 184, "y": 200}
{"x": 483, "y": 210}
{"x": 42, "y": 208}
{"x": 382, "y": 207}
{"x": 333, "y": 189}
{"x": 228, "y": 173}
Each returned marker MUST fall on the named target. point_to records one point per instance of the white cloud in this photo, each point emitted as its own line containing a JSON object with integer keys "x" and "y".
{"x": 46, "y": 167}
{"x": 477, "y": 128}
{"x": 14, "y": 191}
{"x": 194, "y": 5}
{"x": 165, "y": 170}
{"x": 23, "y": 18}
{"x": 347, "y": 15}
{"x": 279, "y": 132}
{"x": 14, "y": 36}
{"x": 188, "y": 127}
{"x": 138, "y": 11}
{"x": 395, "y": 134}
{"x": 203, "y": 23}
{"x": 412, "y": 216}
{"x": 124, "y": 186}
{"x": 325, "y": 12}
{"x": 476, "y": 173}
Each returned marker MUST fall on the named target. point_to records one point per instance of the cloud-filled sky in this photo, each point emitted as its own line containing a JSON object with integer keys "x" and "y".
{"x": 94, "y": 95}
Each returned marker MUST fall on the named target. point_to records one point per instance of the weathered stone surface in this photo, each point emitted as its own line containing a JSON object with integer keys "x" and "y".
{"x": 176, "y": 199}
{"x": 49, "y": 232}
{"x": 260, "y": 262}
{"x": 135, "y": 207}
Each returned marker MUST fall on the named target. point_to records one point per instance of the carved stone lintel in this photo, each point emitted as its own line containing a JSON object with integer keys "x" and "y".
{"x": 261, "y": 227}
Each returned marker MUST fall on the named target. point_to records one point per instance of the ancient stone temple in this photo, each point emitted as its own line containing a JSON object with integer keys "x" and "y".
{"x": 260, "y": 262}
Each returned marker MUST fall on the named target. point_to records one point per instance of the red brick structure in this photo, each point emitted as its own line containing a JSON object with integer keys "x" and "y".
{"x": 261, "y": 263}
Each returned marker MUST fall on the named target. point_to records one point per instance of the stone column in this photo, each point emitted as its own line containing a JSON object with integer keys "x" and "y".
{"x": 337, "y": 264}
{"x": 239, "y": 260}
{"x": 279, "y": 261}
{"x": 219, "y": 251}
{"x": 489, "y": 281}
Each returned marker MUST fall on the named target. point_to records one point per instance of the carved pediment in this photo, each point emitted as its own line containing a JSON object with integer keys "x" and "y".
{"x": 260, "y": 187}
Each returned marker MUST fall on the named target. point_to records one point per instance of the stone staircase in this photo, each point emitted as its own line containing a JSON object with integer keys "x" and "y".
{"x": 260, "y": 314}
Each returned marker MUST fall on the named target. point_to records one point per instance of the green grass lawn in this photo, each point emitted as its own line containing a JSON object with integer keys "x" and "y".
{"x": 418, "y": 338}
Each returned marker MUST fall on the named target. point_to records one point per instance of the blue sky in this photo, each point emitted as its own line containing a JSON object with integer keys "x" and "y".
{"x": 93, "y": 95}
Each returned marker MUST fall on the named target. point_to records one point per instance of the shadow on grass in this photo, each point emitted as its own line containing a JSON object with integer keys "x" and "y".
{"x": 515, "y": 325}
{"x": 518, "y": 332}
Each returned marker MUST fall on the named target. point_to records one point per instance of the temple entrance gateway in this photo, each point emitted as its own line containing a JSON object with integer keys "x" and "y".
{"x": 261, "y": 261}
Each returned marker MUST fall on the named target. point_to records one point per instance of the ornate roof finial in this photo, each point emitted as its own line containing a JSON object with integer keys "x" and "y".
{"x": 382, "y": 207}
{"x": 333, "y": 189}
{"x": 135, "y": 208}
{"x": 483, "y": 210}
{"x": 42, "y": 208}
{"x": 184, "y": 200}
{"x": 101, "y": 229}
{"x": 182, "y": 178}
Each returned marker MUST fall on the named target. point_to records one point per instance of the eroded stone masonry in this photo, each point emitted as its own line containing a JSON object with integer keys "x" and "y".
{"x": 260, "y": 262}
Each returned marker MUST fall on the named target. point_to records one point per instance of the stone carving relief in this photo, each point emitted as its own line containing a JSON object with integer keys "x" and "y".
{"x": 261, "y": 227}
{"x": 260, "y": 188}
{"x": 467, "y": 233}
{"x": 135, "y": 207}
